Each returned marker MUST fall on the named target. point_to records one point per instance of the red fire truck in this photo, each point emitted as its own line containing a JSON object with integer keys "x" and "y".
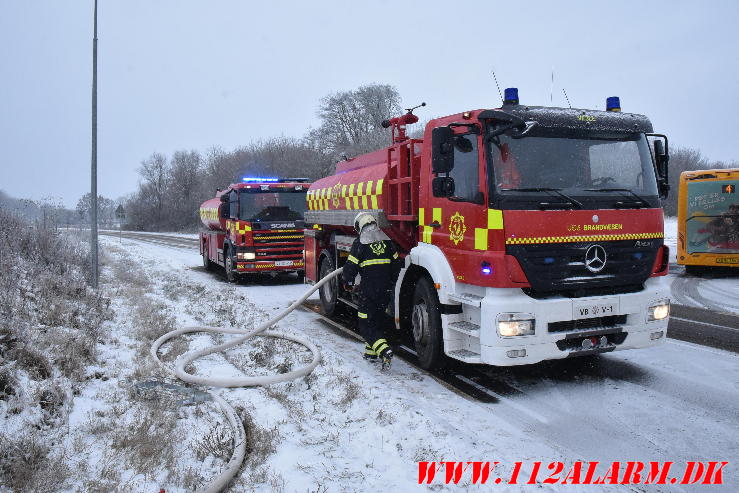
{"x": 528, "y": 233}
{"x": 255, "y": 226}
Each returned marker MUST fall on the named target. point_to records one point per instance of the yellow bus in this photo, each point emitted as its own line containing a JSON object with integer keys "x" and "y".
{"x": 708, "y": 219}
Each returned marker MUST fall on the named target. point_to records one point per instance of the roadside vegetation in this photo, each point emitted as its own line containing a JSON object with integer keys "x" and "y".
{"x": 50, "y": 325}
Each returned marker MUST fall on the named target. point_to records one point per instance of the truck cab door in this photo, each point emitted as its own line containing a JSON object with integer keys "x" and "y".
{"x": 454, "y": 216}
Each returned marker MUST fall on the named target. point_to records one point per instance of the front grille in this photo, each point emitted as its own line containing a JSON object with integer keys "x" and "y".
{"x": 587, "y": 323}
{"x": 560, "y": 268}
{"x": 278, "y": 245}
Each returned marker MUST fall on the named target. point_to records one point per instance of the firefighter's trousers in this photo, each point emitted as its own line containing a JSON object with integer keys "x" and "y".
{"x": 371, "y": 314}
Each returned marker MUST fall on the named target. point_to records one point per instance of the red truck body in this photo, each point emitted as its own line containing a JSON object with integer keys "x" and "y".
{"x": 255, "y": 227}
{"x": 548, "y": 223}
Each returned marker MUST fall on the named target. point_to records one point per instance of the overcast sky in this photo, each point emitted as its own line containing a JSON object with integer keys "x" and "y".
{"x": 187, "y": 74}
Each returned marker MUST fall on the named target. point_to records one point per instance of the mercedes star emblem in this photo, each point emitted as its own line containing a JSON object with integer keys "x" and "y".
{"x": 595, "y": 258}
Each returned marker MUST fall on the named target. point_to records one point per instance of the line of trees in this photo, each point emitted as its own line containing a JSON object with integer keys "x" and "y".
{"x": 171, "y": 189}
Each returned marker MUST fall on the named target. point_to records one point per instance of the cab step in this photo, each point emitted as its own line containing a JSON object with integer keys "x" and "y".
{"x": 466, "y": 298}
{"x": 472, "y": 330}
{"x": 466, "y": 356}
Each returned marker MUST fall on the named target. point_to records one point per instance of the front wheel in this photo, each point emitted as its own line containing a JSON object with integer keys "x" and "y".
{"x": 329, "y": 292}
{"x": 231, "y": 274}
{"x": 426, "y": 325}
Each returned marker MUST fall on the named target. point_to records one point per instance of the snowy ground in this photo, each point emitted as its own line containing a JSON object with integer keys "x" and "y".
{"x": 350, "y": 427}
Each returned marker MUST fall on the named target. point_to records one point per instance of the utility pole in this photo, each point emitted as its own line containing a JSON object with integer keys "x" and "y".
{"x": 94, "y": 164}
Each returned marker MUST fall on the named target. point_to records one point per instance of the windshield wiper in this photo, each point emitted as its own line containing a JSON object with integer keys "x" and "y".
{"x": 555, "y": 190}
{"x": 639, "y": 200}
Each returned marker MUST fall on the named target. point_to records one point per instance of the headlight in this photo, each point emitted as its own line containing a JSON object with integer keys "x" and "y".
{"x": 659, "y": 311}
{"x": 246, "y": 255}
{"x": 515, "y": 324}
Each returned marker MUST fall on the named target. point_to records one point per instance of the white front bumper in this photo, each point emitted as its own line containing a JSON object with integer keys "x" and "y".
{"x": 543, "y": 344}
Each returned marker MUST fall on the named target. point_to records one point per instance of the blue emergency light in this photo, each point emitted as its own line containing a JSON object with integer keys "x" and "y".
{"x": 510, "y": 95}
{"x": 486, "y": 268}
{"x": 252, "y": 179}
{"x": 613, "y": 104}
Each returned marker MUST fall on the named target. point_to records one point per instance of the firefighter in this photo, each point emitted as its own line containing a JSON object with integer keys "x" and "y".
{"x": 374, "y": 257}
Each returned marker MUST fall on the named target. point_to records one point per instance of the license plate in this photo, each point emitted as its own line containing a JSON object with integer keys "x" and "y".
{"x": 594, "y": 308}
{"x": 283, "y": 263}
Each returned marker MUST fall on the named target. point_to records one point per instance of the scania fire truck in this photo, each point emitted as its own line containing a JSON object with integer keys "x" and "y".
{"x": 528, "y": 233}
{"x": 255, "y": 226}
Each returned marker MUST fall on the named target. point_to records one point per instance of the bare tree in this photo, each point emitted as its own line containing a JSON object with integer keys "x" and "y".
{"x": 183, "y": 190}
{"x": 351, "y": 120}
{"x": 154, "y": 172}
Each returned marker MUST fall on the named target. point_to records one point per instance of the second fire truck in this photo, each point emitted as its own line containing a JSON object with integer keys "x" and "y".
{"x": 528, "y": 233}
{"x": 255, "y": 226}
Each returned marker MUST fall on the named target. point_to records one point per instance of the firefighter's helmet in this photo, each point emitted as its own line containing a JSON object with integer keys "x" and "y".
{"x": 363, "y": 219}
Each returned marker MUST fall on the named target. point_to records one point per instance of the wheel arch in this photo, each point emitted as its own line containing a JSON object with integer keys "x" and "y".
{"x": 423, "y": 260}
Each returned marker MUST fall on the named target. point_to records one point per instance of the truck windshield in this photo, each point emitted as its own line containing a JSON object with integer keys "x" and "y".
{"x": 271, "y": 206}
{"x": 602, "y": 169}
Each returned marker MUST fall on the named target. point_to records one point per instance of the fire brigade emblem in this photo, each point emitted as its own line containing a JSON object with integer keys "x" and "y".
{"x": 335, "y": 194}
{"x": 378, "y": 247}
{"x": 457, "y": 228}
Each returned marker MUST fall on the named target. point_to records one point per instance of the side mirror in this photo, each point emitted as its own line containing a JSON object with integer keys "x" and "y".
{"x": 442, "y": 155}
{"x": 661, "y": 161}
{"x": 443, "y": 186}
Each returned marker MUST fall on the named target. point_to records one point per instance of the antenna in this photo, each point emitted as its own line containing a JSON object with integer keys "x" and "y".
{"x": 568, "y": 99}
{"x": 551, "y": 89}
{"x": 497, "y": 85}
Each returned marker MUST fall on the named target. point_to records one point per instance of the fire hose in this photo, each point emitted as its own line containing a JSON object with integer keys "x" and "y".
{"x": 222, "y": 480}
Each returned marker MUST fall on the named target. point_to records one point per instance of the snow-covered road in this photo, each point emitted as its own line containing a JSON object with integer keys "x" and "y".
{"x": 675, "y": 402}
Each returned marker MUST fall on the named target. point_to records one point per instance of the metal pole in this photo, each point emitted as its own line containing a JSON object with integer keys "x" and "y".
{"x": 94, "y": 164}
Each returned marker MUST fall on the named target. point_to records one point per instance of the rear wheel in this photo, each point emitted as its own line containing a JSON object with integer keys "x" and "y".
{"x": 426, "y": 325}
{"x": 206, "y": 260}
{"x": 329, "y": 292}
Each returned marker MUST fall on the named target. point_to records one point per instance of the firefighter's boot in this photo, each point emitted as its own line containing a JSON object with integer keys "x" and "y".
{"x": 369, "y": 353}
{"x": 382, "y": 349}
{"x": 386, "y": 357}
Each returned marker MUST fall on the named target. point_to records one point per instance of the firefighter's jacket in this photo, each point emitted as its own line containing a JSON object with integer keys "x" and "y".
{"x": 378, "y": 264}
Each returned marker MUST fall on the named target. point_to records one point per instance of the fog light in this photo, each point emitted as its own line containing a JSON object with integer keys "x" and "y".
{"x": 516, "y": 353}
{"x": 656, "y": 335}
{"x": 659, "y": 311}
{"x": 515, "y": 324}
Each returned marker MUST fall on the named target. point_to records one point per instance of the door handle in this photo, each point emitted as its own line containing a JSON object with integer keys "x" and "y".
{"x": 435, "y": 224}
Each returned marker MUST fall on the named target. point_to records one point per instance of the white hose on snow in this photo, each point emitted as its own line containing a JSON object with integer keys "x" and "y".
{"x": 222, "y": 480}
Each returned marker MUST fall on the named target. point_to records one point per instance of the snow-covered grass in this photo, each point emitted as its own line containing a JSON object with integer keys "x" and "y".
{"x": 127, "y": 426}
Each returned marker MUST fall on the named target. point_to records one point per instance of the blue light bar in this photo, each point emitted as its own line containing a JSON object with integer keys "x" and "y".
{"x": 510, "y": 95}
{"x": 252, "y": 179}
{"x": 613, "y": 104}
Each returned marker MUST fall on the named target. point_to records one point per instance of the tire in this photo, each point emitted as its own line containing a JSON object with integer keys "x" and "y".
{"x": 228, "y": 261}
{"x": 426, "y": 325}
{"x": 329, "y": 292}
{"x": 301, "y": 276}
{"x": 206, "y": 261}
